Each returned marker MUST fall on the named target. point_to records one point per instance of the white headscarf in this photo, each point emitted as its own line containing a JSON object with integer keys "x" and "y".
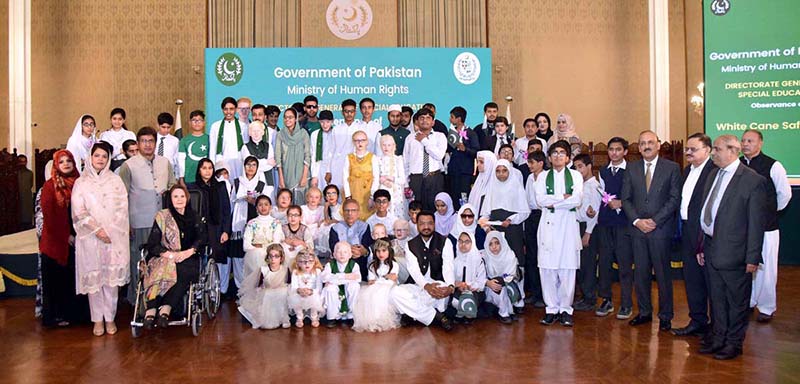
{"x": 508, "y": 195}
{"x": 503, "y": 263}
{"x": 80, "y": 145}
{"x": 481, "y": 185}
{"x": 459, "y": 227}
{"x": 444, "y": 223}
{"x": 463, "y": 259}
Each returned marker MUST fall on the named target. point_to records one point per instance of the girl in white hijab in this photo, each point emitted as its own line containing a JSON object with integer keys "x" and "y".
{"x": 501, "y": 271}
{"x": 470, "y": 270}
{"x": 446, "y": 219}
{"x": 467, "y": 221}
{"x": 486, "y": 162}
{"x": 81, "y": 141}
{"x": 506, "y": 207}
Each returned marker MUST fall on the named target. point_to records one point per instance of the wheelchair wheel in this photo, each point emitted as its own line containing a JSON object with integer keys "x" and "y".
{"x": 196, "y": 323}
{"x": 211, "y": 294}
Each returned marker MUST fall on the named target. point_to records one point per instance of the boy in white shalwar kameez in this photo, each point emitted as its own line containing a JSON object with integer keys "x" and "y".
{"x": 342, "y": 280}
{"x": 558, "y": 192}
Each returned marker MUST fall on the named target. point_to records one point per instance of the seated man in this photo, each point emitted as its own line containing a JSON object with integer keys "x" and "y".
{"x": 355, "y": 232}
{"x": 429, "y": 259}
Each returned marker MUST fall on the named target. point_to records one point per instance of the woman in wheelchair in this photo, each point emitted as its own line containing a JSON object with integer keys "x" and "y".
{"x": 173, "y": 261}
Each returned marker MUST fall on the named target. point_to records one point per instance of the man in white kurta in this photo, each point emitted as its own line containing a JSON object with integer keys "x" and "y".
{"x": 231, "y": 146}
{"x": 559, "y": 237}
{"x": 429, "y": 260}
{"x": 343, "y": 141}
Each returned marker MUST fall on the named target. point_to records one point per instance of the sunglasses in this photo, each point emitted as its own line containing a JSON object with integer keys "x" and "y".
{"x": 311, "y": 106}
{"x": 467, "y": 216}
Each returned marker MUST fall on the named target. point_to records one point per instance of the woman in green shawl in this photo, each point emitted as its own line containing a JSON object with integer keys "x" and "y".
{"x": 293, "y": 157}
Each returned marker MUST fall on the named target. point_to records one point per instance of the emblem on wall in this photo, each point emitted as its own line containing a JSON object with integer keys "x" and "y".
{"x": 349, "y": 19}
{"x": 720, "y": 7}
{"x": 229, "y": 69}
{"x": 467, "y": 68}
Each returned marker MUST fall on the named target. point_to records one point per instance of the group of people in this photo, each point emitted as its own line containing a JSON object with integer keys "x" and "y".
{"x": 358, "y": 223}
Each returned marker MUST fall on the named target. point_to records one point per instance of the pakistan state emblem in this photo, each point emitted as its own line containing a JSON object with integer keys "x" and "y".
{"x": 229, "y": 69}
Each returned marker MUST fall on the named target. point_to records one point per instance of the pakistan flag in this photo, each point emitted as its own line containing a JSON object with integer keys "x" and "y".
{"x": 195, "y": 148}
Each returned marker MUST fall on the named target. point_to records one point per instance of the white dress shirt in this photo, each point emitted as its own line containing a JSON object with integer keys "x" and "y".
{"x": 621, "y": 165}
{"x": 436, "y": 146}
{"x": 116, "y": 138}
{"x": 521, "y": 147}
{"x": 448, "y": 274}
{"x": 782, "y": 187}
{"x": 170, "y": 150}
{"x": 591, "y": 197}
{"x": 688, "y": 187}
{"x": 726, "y": 179}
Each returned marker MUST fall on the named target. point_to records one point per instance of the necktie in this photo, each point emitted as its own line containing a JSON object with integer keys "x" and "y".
{"x": 614, "y": 171}
{"x": 648, "y": 176}
{"x": 707, "y": 219}
{"x": 426, "y": 163}
{"x": 161, "y": 147}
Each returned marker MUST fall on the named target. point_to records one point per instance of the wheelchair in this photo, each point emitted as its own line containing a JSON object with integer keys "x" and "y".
{"x": 203, "y": 295}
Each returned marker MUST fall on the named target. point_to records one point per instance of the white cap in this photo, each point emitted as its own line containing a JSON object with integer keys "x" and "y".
{"x": 395, "y": 108}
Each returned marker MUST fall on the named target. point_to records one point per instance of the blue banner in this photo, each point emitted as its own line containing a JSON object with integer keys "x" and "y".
{"x": 446, "y": 77}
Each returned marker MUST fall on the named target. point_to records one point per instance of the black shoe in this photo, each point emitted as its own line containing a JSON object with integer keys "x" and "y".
{"x": 707, "y": 339}
{"x": 712, "y": 348}
{"x": 639, "y": 320}
{"x": 566, "y": 319}
{"x": 331, "y": 323}
{"x": 763, "y": 318}
{"x": 549, "y": 319}
{"x": 149, "y": 322}
{"x": 506, "y": 320}
{"x": 605, "y": 309}
{"x": 539, "y": 304}
{"x": 443, "y": 321}
{"x": 163, "y": 320}
{"x": 693, "y": 329}
{"x": 406, "y": 320}
{"x": 727, "y": 353}
{"x": 348, "y": 322}
{"x": 585, "y": 305}
{"x": 519, "y": 311}
{"x": 458, "y": 320}
{"x": 664, "y": 325}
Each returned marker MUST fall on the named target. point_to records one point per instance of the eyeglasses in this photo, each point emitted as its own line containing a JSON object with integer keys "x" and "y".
{"x": 197, "y": 120}
{"x": 312, "y": 106}
{"x": 351, "y": 210}
{"x": 467, "y": 216}
{"x": 559, "y": 154}
{"x": 294, "y": 215}
{"x": 359, "y": 140}
{"x": 300, "y": 262}
{"x": 331, "y": 193}
{"x": 87, "y": 124}
{"x": 464, "y": 241}
{"x": 691, "y": 149}
{"x": 348, "y": 111}
{"x": 275, "y": 256}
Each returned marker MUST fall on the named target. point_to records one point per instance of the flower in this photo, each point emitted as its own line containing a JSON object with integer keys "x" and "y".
{"x": 607, "y": 197}
{"x": 463, "y": 134}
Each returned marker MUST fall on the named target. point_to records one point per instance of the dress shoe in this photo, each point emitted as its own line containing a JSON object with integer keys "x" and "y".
{"x": 566, "y": 319}
{"x": 712, "y": 348}
{"x": 443, "y": 321}
{"x": 640, "y": 319}
{"x": 664, "y": 325}
{"x": 506, "y": 320}
{"x": 763, "y": 318}
{"x": 693, "y": 329}
{"x": 549, "y": 319}
{"x": 406, "y": 320}
{"x": 727, "y": 353}
{"x": 331, "y": 324}
{"x": 539, "y": 304}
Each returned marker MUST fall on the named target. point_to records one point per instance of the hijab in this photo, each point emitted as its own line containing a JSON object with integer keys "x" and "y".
{"x": 481, "y": 185}
{"x": 459, "y": 226}
{"x": 565, "y": 133}
{"x": 547, "y": 135}
{"x": 444, "y": 223}
{"x": 508, "y": 194}
{"x": 503, "y": 263}
{"x": 79, "y": 145}
{"x": 63, "y": 182}
{"x": 463, "y": 259}
{"x": 185, "y": 221}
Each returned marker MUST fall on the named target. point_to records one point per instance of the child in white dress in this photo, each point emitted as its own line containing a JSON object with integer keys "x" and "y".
{"x": 374, "y": 311}
{"x": 502, "y": 273}
{"x": 259, "y": 233}
{"x": 392, "y": 176}
{"x": 263, "y": 299}
{"x": 305, "y": 292}
{"x": 313, "y": 211}
{"x": 342, "y": 279}
{"x": 284, "y": 200}
{"x": 470, "y": 271}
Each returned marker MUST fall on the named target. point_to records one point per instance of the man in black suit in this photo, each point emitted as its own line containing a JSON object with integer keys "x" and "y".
{"x": 698, "y": 149}
{"x": 651, "y": 194}
{"x": 732, "y": 221}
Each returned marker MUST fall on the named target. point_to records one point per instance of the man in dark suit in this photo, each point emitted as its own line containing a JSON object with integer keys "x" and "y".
{"x": 732, "y": 221}
{"x": 698, "y": 149}
{"x": 651, "y": 194}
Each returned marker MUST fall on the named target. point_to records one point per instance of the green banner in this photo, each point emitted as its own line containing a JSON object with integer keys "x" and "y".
{"x": 752, "y": 73}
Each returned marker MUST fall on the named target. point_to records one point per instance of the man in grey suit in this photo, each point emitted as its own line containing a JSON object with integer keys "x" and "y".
{"x": 651, "y": 195}
{"x": 698, "y": 149}
{"x": 732, "y": 221}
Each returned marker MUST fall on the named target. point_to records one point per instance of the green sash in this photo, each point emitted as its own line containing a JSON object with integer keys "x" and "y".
{"x": 344, "y": 308}
{"x": 549, "y": 181}
{"x": 221, "y": 133}
{"x": 319, "y": 147}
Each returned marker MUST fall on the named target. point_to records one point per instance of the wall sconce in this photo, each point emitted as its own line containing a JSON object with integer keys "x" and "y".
{"x": 699, "y": 101}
